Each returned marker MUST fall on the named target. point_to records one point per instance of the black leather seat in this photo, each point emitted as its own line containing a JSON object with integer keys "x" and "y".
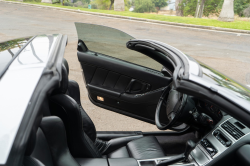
{"x": 47, "y": 146}
{"x": 81, "y": 132}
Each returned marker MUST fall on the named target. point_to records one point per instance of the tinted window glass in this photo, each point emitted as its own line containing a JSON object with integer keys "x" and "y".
{"x": 112, "y": 42}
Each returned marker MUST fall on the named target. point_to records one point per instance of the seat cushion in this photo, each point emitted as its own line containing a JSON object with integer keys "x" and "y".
{"x": 142, "y": 148}
{"x": 145, "y": 148}
{"x": 119, "y": 153}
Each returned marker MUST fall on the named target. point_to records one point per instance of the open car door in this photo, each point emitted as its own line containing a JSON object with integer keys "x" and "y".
{"x": 117, "y": 78}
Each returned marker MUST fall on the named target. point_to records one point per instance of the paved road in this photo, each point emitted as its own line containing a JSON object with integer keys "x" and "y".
{"x": 227, "y": 52}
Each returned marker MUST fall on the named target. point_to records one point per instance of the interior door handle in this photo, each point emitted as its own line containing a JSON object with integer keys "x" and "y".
{"x": 144, "y": 87}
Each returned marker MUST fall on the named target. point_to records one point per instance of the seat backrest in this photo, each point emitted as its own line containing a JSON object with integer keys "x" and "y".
{"x": 75, "y": 119}
{"x": 50, "y": 148}
{"x": 81, "y": 132}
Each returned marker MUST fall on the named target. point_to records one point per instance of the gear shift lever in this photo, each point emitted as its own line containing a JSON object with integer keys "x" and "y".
{"x": 190, "y": 145}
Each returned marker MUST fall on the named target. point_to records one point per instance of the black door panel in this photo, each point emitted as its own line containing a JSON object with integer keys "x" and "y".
{"x": 155, "y": 78}
{"x": 126, "y": 88}
{"x": 136, "y": 107}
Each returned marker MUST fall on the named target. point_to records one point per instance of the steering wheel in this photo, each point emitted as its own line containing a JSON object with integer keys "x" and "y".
{"x": 176, "y": 102}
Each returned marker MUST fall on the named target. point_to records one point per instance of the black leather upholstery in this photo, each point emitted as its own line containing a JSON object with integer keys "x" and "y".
{"x": 74, "y": 91}
{"x": 81, "y": 132}
{"x": 77, "y": 126}
{"x": 119, "y": 153}
{"x": 30, "y": 161}
{"x": 123, "y": 162}
{"x": 116, "y": 143}
{"x": 42, "y": 150}
{"x": 54, "y": 131}
{"x": 145, "y": 148}
{"x": 51, "y": 149}
{"x": 92, "y": 162}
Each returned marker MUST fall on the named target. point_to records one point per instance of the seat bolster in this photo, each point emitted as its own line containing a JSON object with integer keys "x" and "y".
{"x": 117, "y": 143}
{"x": 75, "y": 120}
{"x": 119, "y": 153}
{"x": 74, "y": 91}
{"x": 145, "y": 148}
{"x": 30, "y": 161}
{"x": 54, "y": 131}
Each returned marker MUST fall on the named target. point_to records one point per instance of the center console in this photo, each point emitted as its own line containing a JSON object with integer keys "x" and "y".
{"x": 228, "y": 132}
{"x": 154, "y": 162}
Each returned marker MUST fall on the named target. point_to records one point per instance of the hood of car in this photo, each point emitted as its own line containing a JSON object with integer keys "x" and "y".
{"x": 8, "y": 50}
{"x": 223, "y": 85}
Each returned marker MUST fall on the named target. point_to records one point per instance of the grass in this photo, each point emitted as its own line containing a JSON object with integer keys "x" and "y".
{"x": 242, "y": 25}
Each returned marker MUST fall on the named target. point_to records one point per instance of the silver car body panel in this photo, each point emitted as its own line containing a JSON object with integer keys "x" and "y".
{"x": 17, "y": 86}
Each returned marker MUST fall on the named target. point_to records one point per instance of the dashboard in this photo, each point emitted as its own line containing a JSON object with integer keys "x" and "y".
{"x": 227, "y": 133}
{"x": 206, "y": 114}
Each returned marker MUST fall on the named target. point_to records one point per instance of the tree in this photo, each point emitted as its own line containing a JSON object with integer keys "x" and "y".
{"x": 111, "y": 4}
{"x": 227, "y": 12}
{"x": 247, "y": 12}
{"x": 118, "y": 5}
{"x": 211, "y": 7}
{"x": 178, "y": 7}
{"x": 160, "y": 3}
{"x": 240, "y": 6}
{"x": 198, "y": 8}
{"x": 103, "y": 4}
{"x": 202, "y": 5}
{"x": 142, "y": 6}
{"x": 188, "y": 7}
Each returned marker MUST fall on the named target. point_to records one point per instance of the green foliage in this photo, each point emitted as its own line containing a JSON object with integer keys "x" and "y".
{"x": 243, "y": 25}
{"x": 32, "y": 0}
{"x": 86, "y": 1}
{"x": 78, "y": 4}
{"x": 130, "y": 3}
{"x": 142, "y": 6}
{"x": 240, "y": 6}
{"x": 160, "y": 3}
{"x": 189, "y": 7}
{"x": 247, "y": 12}
{"x": 101, "y": 4}
{"x": 211, "y": 7}
{"x": 68, "y": 4}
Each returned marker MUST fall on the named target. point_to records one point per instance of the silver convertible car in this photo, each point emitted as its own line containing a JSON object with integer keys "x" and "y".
{"x": 202, "y": 115}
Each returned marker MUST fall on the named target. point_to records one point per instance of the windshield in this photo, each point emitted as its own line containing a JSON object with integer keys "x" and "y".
{"x": 8, "y": 50}
{"x": 217, "y": 78}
